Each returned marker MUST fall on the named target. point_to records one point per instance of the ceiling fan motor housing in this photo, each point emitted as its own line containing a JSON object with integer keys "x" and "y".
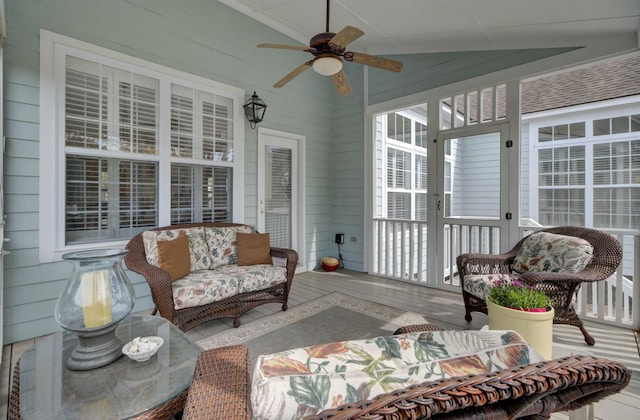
{"x": 321, "y": 44}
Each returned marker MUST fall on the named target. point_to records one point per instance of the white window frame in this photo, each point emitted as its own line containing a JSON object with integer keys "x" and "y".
{"x": 414, "y": 150}
{"x": 52, "y": 156}
{"x": 587, "y": 113}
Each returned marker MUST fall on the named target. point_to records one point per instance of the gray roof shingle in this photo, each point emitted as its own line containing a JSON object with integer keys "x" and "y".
{"x": 585, "y": 85}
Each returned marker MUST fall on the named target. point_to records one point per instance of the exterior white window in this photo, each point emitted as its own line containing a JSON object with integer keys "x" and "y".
{"x": 589, "y": 171}
{"x": 406, "y": 166}
{"x": 561, "y": 181}
{"x": 110, "y": 121}
{"x": 133, "y": 146}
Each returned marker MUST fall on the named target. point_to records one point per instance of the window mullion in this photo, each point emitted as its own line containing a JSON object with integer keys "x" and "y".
{"x": 198, "y": 199}
{"x": 164, "y": 152}
{"x": 198, "y": 124}
{"x": 588, "y": 186}
{"x": 112, "y": 197}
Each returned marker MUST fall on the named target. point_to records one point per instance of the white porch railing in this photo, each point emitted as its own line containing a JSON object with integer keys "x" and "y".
{"x": 401, "y": 252}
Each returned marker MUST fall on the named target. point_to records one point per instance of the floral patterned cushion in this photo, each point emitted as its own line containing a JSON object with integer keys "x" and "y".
{"x": 222, "y": 244}
{"x": 479, "y": 285}
{"x": 206, "y": 286}
{"x": 255, "y": 277}
{"x": 544, "y": 251}
{"x": 198, "y": 249}
{"x": 302, "y": 382}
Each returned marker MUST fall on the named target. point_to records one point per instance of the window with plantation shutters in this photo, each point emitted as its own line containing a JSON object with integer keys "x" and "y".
{"x": 111, "y": 118}
{"x": 201, "y": 131}
{"x": 134, "y": 145}
{"x": 278, "y": 202}
{"x": 200, "y": 193}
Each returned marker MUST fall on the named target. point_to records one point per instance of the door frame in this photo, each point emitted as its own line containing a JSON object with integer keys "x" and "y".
{"x": 299, "y": 227}
{"x": 503, "y": 129}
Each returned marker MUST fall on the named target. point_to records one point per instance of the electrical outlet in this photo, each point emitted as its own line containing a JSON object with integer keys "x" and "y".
{"x": 340, "y": 238}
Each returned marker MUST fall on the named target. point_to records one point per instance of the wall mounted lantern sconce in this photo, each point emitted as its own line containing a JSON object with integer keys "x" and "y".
{"x": 254, "y": 109}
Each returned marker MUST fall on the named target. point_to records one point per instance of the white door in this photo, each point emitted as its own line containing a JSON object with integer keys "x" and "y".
{"x": 281, "y": 189}
{"x": 472, "y": 195}
{"x": 476, "y": 183}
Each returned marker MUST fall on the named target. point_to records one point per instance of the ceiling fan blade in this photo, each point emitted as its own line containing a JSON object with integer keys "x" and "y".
{"x": 375, "y": 61}
{"x": 286, "y": 79}
{"x": 341, "y": 83}
{"x": 285, "y": 47}
{"x": 346, "y": 36}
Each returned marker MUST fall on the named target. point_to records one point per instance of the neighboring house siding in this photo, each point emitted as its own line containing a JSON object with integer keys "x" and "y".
{"x": 480, "y": 183}
{"x": 201, "y": 37}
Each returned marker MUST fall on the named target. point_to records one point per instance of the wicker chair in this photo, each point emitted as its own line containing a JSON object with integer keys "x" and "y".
{"x": 561, "y": 287}
{"x": 221, "y": 389}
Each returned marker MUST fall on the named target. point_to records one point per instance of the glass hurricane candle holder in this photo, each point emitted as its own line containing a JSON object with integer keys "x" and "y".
{"x": 97, "y": 297}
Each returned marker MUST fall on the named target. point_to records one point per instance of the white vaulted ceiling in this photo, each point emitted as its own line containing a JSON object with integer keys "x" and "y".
{"x": 425, "y": 26}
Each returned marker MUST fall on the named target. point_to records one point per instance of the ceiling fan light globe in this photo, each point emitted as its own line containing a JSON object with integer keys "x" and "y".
{"x": 327, "y": 66}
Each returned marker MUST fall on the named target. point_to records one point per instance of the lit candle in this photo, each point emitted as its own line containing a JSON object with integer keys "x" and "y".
{"x": 96, "y": 298}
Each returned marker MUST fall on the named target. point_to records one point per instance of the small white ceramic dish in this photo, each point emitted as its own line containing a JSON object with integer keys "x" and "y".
{"x": 141, "y": 349}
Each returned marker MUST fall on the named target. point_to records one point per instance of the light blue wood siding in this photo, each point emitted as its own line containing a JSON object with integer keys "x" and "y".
{"x": 201, "y": 37}
{"x": 207, "y": 39}
{"x": 348, "y": 169}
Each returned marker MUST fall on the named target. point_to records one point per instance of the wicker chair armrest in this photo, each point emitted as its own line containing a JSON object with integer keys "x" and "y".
{"x": 417, "y": 328}
{"x": 538, "y": 276}
{"x": 292, "y": 262}
{"x": 588, "y": 274}
{"x": 221, "y": 385}
{"x": 158, "y": 279}
{"x": 529, "y": 390}
{"x": 290, "y": 255}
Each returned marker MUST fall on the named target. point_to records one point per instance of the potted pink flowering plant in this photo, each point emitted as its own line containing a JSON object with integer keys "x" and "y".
{"x": 517, "y": 307}
{"x": 516, "y": 295}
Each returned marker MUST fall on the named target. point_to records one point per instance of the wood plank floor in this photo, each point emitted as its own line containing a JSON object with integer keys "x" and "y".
{"x": 437, "y": 305}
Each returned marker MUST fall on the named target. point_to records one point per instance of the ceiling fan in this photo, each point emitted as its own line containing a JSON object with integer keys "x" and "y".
{"x": 328, "y": 50}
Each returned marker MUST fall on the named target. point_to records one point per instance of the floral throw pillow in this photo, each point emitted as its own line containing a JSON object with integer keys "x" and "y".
{"x": 198, "y": 251}
{"x": 544, "y": 251}
{"x": 222, "y": 244}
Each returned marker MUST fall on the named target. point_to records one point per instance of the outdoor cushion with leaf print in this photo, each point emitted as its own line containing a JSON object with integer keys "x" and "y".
{"x": 304, "y": 381}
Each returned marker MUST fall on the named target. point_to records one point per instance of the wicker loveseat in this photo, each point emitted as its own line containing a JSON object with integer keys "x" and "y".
{"x": 232, "y": 289}
{"x": 222, "y": 385}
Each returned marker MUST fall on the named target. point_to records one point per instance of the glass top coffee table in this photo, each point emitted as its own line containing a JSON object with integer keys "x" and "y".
{"x": 122, "y": 389}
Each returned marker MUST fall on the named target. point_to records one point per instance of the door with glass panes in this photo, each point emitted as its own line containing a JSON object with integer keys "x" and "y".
{"x": 279, "y": 189}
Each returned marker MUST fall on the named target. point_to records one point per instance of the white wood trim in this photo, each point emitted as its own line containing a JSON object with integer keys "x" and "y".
{"x": 52, "y": 69}
{"x": 299, "y": 226}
